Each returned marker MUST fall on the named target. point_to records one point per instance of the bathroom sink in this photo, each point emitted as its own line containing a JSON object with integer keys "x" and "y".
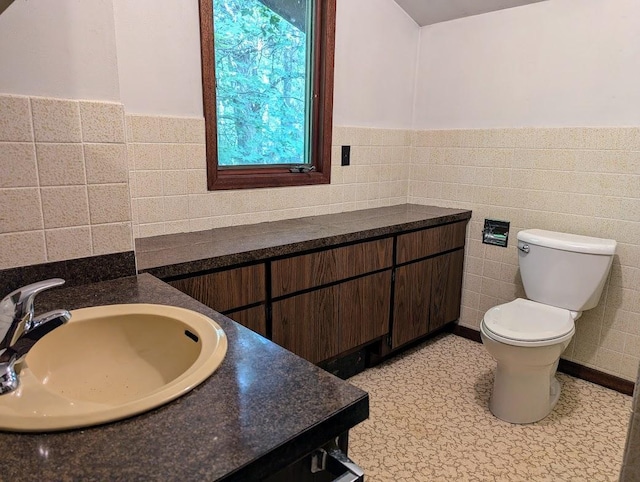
{"x": 109, "y": 363}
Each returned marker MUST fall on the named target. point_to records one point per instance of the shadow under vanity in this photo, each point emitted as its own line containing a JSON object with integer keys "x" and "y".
{"x": 340, "y": 290}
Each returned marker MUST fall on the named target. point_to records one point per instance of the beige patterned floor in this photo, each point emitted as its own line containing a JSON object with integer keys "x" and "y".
{"x": 429, "y": 421}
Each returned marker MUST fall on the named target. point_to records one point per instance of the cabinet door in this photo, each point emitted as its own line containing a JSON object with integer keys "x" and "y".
{"x": 226, "y": 290}
{"x": 446, "y": 288}
{"x": 364, "y": 309}
{"x": 411, "y": 302}
{"x": 253, "y": 318}
{"x": 307, "y": 324}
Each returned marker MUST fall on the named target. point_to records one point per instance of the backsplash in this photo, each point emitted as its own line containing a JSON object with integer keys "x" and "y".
{"x": 579, "y": 180}
{"x": 167, "y": 162}
{"x": 63, "y": 189}
{"x": 80, "y": 178}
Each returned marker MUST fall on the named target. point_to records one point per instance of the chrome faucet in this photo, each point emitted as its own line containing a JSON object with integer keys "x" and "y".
{"x": 20, "y": 329}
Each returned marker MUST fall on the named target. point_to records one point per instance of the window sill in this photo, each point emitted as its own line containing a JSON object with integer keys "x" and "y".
{"x": 260, "y": 178}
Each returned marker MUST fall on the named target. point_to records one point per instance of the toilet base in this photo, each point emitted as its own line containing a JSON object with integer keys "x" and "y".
{"x": 524, "y": 399}
{"x": 554, "y": 394}
{"x": 525, "y": 389}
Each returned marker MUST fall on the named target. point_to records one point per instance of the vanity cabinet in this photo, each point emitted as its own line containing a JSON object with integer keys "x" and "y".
{"x": 428, "y": 281}
{"x": 335, "y": 303}
{"x": 319, "y": 322}
{"x": 239, "y": 293}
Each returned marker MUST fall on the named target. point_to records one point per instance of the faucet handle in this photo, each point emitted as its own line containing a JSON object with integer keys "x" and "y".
{"x": 44, "y": 325}
{"x": 16, "y": 310}
{"x": 22, "y": 298}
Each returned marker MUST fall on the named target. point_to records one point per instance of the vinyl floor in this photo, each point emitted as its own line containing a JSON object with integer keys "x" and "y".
{"x": 430, "y": 421}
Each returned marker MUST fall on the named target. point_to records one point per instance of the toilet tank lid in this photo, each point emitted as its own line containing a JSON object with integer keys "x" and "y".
{"x": 568, "y": 242}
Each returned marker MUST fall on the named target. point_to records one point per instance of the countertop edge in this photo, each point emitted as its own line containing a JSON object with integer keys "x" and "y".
{"x": 275, "y": 251}
{"x": 296, "y": 448}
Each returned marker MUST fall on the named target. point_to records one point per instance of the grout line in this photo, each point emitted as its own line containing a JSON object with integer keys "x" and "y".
{"x": 39, "y": 187}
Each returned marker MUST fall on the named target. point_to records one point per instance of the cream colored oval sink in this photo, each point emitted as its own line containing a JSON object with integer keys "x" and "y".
{"x": 112, "y": 362}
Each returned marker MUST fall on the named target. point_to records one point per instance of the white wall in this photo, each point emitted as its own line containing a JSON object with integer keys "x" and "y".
{"x": 146, "y": 53}
{"x": 554, "y": 63}
{"x": 375, "y": 64}
{"x": 159, "y": 56}
{"x": 61, "y": 48}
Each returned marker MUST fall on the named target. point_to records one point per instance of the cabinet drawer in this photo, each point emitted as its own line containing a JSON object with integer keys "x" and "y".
{"x": 301, "y": 272}
{"x": 430, "y": 241}
{"x": 226, "y": 290}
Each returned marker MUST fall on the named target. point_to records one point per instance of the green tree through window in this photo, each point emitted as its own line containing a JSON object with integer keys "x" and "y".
{"x": 267, "y": 73}
{"x": 261, "y": 61}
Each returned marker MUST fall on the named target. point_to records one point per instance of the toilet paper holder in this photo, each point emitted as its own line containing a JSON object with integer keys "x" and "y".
{"x": 496, "y": 232}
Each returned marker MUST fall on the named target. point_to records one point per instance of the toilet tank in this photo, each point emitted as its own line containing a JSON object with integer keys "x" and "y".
{"x": 564, "y": 270}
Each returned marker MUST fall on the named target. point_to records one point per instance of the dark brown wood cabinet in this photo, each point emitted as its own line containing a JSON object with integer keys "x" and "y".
{"x": 430, "y": 241}
{"x": 307, "y": 324}
{"x": 334, "y": 301}
{"x": 297, "y": 273}
{"x": 328, "y": 321}
{"x": 331, "y": 320}
{"x": 446, "y": 289}
{"x": 428, "y": 286}
{"x": 411, "y": 302}
{"x": 253, "y": 318}
{"x": 364, "y": 310}
{"x": 230, "y": 290}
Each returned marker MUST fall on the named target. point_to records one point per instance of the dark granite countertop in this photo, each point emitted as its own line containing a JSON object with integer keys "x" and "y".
{"x": 260, "y": 411}
{"x": 181, "y": 254}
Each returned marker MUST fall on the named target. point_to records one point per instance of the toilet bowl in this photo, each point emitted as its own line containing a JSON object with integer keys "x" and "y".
{"x": 563, "y": 275}
{"x": 526, "y": 339}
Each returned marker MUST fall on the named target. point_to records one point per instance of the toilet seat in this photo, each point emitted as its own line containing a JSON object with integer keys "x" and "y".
{"x": 527, "y": 323}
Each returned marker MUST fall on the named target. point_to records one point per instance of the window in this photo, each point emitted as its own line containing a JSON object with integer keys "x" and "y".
{"x": 267, "y": 73}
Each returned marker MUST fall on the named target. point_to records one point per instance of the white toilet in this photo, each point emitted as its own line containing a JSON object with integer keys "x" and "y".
{"x": 563, "y": 275}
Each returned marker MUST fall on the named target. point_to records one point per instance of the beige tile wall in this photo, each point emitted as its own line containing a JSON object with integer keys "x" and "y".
{"x": 167, "y": 169}
{"x": 63, "y": 183}
{"x": 73, "y": 180}
{"x": 578, "y": 180}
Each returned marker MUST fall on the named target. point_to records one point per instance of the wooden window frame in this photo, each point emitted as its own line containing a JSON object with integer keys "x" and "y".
{"x": 322, "y": 110}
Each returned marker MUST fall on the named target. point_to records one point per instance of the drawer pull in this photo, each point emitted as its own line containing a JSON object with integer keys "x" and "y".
{"x": 336, "y": 463}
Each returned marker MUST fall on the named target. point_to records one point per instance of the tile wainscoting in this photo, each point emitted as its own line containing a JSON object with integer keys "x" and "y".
{"x": 168, "y": 179}
{"x": 80, "y": 177}
{"x": 63, "y": 189}
{"x": 579, "y": 180}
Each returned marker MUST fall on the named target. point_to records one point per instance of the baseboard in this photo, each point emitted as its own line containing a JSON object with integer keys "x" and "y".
{"x": 594, "y": 376}
{"x": 565, "y": 366}
{"x": 468, "y": 333}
